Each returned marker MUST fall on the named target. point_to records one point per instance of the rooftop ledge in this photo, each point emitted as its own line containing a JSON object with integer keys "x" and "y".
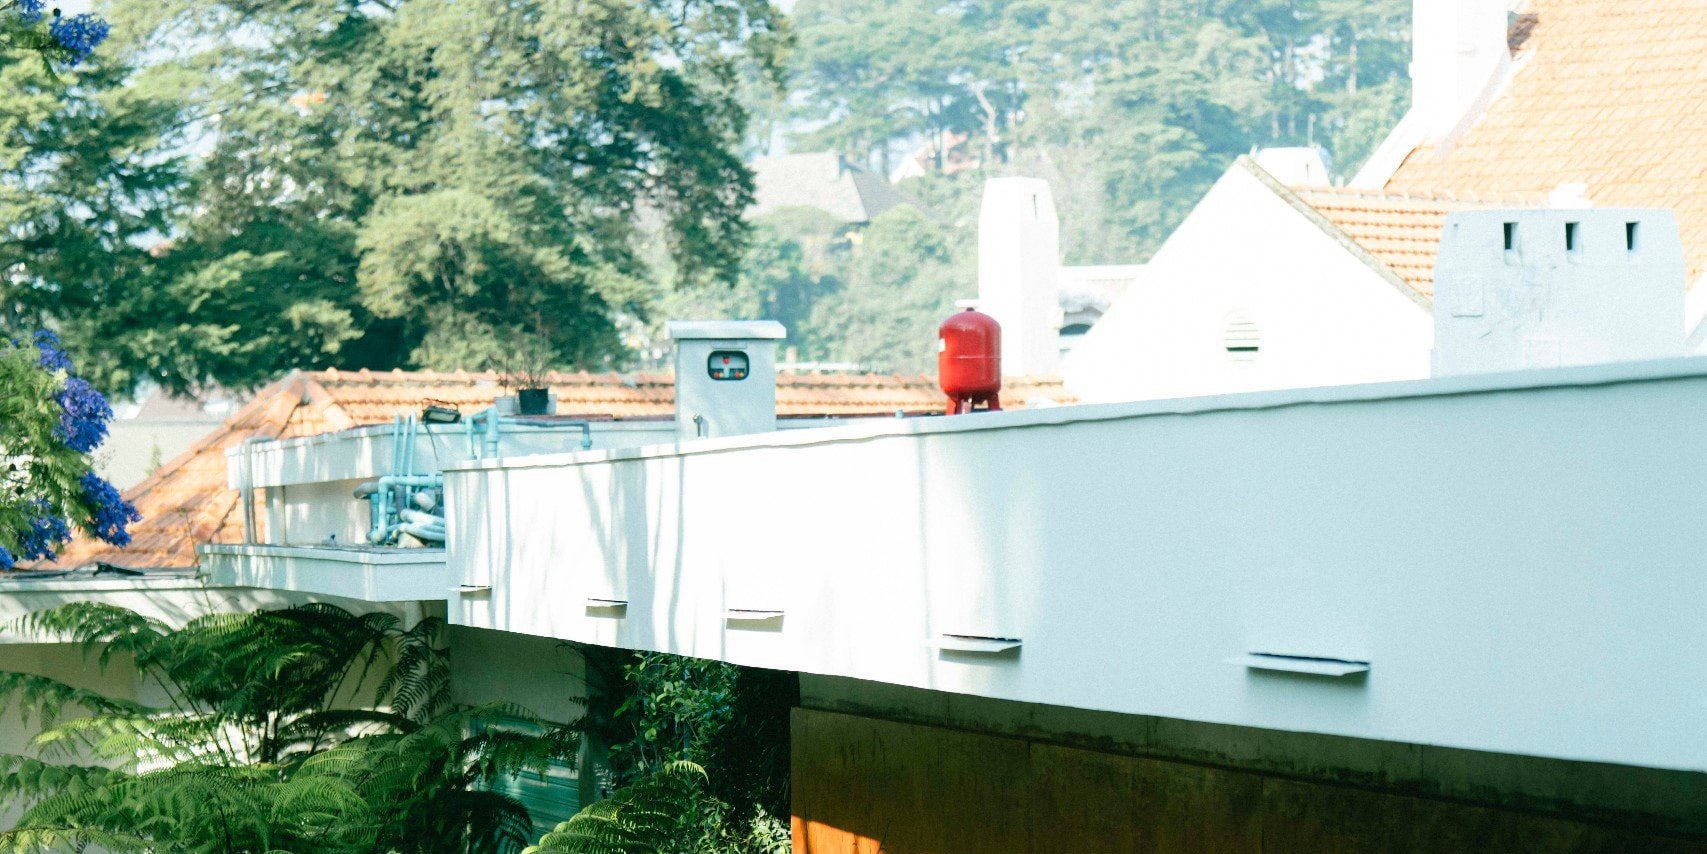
{"x": 1616, "y": 373}
{"x": 1530, "y": 541}
{"x": 370, "y": 574}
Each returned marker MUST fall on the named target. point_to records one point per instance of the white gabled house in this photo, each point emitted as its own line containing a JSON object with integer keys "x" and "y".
{"x": 1558, "y": 104}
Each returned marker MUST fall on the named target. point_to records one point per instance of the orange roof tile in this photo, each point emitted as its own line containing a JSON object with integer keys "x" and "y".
{"x": 1612, "y": 94}
{"x": 187, "y": 502}
{"x": 1401, "y": 232}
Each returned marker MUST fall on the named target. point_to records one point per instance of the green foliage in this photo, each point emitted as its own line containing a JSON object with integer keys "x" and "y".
{"x": 50, "y": 423}
{"x": 778, "y": 281}
{"x": 653, "y": 815}
{"x": 700, "y": 751}
{"x": 394, "y": 184}
{"x": 266, "y": 741}
{"x": 902, "y": 279}
{"x": 1130, "y": 108}
{"x": 89, "y": 175}
{"x": 35, "y": 465}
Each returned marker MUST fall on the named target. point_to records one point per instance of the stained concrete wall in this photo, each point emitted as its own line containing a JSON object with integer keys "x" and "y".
{"x": 863, "y": 785}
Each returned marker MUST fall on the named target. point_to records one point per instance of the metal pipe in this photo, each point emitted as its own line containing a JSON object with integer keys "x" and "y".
{"x": 410, "y": 426}
{"x": 368, "y": 488}
{"x": 396, "y": 445}
{"x": 493, "y": 425}
{"x": 586, "y": 428}
{"x": 382, "y": 491}
{"x": 247, "y": 489}
{"x": 421, "y": 517}
{"x": 422, "y": 532}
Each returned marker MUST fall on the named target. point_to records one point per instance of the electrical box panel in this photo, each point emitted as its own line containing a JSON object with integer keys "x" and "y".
{"x": 725, "y": 377}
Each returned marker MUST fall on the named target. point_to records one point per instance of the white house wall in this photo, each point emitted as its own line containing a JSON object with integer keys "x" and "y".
{"x": 1324, "y": 316}
{"x": 1475, "y": 540}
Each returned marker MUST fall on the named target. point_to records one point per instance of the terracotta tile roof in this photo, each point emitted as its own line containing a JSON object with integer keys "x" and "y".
{"x": 186, "y": 502}
{"x": 1401, "y": 232}
{"x": 1612, "y": 94}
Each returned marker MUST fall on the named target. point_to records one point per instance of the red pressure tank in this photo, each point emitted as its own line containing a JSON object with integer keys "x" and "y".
{"x": 969, "y": 361}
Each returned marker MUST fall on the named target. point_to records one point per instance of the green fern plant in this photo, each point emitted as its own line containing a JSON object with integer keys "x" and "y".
{"x": 263, "y": 744}
{"x": 652, "y": 816}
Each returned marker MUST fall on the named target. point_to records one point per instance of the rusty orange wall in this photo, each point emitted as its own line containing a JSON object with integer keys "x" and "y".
{"x": 864, "y": 785}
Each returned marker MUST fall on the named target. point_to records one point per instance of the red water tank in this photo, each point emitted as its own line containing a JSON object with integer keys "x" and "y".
{"x": 969, "y": 361}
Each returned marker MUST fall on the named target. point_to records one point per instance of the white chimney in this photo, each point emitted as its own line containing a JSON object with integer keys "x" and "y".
{"x": 1019, "y": 257}
{"x": 1521, "y": 289}
{"x": 1295, "y": 167}
{"x": 1459, "y": 55}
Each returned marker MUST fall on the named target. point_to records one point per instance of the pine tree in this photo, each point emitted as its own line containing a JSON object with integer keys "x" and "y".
{"x": 414, "y": 183}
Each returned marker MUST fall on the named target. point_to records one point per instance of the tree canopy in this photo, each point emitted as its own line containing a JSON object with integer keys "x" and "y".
{"x": 1131, "y": 108}
{"x": 391, "y": 184}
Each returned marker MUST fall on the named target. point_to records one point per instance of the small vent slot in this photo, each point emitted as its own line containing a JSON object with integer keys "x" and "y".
{"x": 1631, "y": 232}
{"x": 1573, "y": 237}
{"x": 1241, "y": 337}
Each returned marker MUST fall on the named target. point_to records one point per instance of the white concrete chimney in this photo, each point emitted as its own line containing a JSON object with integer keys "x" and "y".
{"x": 1459, "y": 55}
{"x": 1019, "y": 257}
{"x": 1295, "y": 167}
{"x": 1521, "y": 289}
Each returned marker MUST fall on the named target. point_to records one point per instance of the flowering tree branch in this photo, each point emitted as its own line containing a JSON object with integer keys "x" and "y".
{"x": 59, "y": 39}
{"x": 50, "y": 421}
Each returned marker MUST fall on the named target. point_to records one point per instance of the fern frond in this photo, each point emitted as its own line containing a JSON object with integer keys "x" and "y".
{"x": 644, "y": 818}
{"x": 93, "y": 624}
{"x": 45, "y": 699}
{"x": 41, "y": 840}
{"x": 25, "y": 780}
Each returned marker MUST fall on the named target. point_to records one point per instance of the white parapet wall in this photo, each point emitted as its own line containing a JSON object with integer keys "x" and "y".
{"x": 1520, "y": 289}
{"x": 1507, "y": 563}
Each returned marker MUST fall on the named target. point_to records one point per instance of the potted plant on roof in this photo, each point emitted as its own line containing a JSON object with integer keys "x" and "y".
{"x": 527, "y": 371}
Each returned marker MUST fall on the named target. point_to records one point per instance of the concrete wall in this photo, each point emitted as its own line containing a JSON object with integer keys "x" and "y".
{"x": 132, "y": 447}
{"x": 1519, "y": 289}
{"x": 547, "y": 677}
{"x": 317, "y": 514}
{"x": 1513, "y": 558}
{"x": 1653, "y": 801}
{"x": 866, "y": 785}
{"x": 1323, "y": 316}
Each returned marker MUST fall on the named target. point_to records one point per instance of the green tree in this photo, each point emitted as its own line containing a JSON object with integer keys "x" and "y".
{"x": 779, "y": 280}
{"x": 902, "y": 279}
{"x": 1130, "y": 108}
{"x": 414, "y": 183}
{"x": 265, "y": 742}
{"x": 87, "y": 183}
{"x": 51, "y": 421}
{"x": 700, "y": 752}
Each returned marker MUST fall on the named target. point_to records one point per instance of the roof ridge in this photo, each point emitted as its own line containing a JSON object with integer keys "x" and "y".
{"x": 1419, "y": 197}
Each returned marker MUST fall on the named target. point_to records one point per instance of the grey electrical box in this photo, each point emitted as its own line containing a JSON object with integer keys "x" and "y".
{"x": 725, "y": 376}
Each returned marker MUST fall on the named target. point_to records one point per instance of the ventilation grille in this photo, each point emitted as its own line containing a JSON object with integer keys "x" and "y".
{"x": 1242, "y": 338}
